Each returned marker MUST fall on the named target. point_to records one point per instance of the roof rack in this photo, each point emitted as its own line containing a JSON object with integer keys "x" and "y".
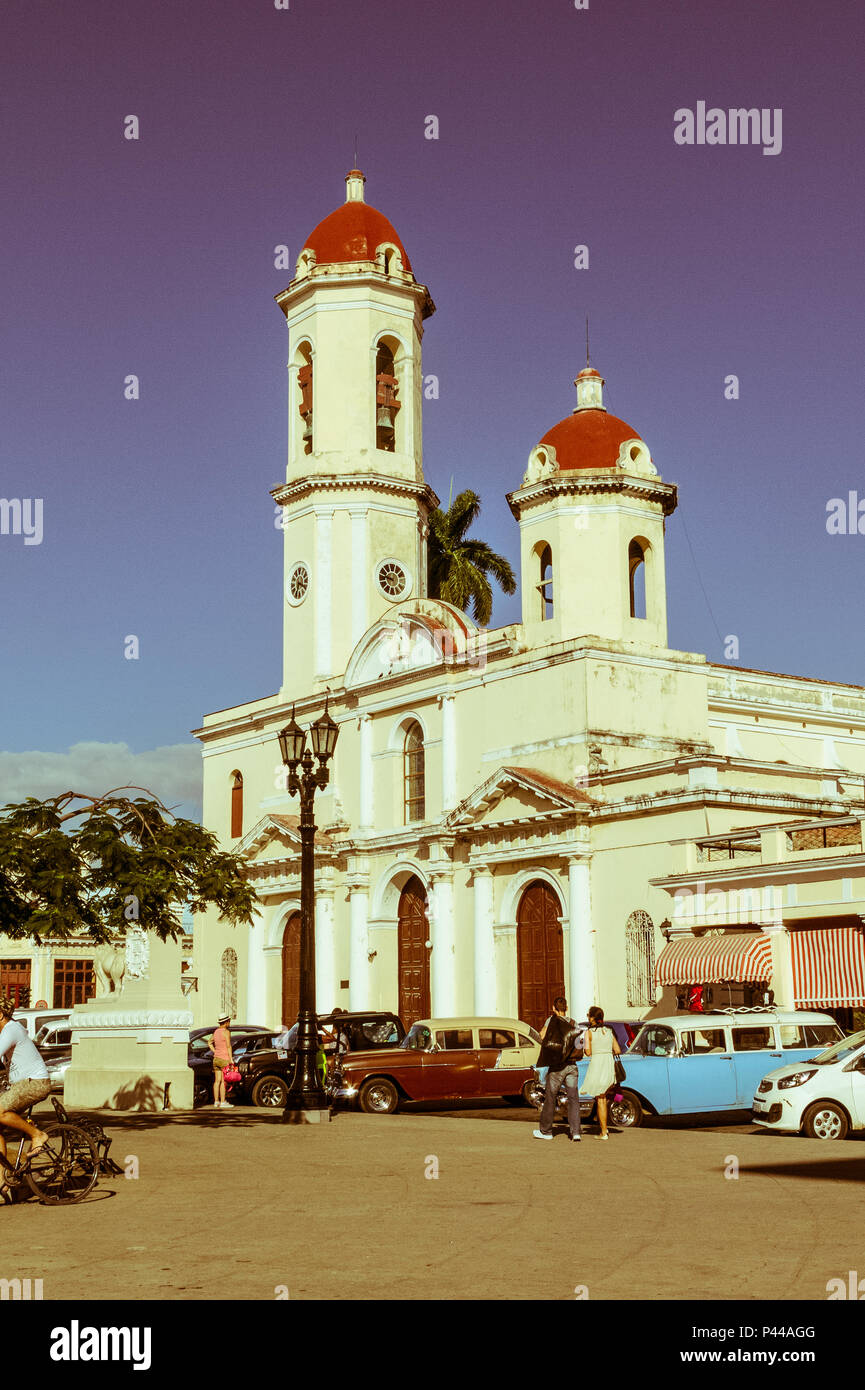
{"x": 746, "y": 1009}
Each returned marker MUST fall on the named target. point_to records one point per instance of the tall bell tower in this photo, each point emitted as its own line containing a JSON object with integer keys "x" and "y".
{"x": 355, "y": 503}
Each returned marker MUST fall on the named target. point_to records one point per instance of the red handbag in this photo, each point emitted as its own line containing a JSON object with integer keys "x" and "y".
{"x": 231, "y": 1075}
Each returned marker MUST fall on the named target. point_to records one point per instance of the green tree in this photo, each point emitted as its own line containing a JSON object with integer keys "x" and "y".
{"x": 80, "y": 865}
{"x": 457, "y": 566}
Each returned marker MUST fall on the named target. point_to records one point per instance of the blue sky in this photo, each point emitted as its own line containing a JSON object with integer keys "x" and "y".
{"x": 155, "y": 257}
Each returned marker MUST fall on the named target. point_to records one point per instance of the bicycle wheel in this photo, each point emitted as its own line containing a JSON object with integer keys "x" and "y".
{"x": 66, "y": 1169}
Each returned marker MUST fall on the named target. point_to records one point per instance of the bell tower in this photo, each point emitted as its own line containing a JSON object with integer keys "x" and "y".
{"x": 355, "y": 502}
{"x": 592, "y": 510}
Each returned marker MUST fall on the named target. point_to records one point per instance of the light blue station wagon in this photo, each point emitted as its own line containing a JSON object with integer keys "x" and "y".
{"x": 690, "y": 1063}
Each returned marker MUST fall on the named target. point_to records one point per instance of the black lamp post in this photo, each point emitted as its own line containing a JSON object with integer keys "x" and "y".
{"x": 306, "y": 1091}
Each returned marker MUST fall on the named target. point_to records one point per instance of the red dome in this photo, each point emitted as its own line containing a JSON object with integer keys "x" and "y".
{"x": 588, "y": 439}
{"x": 352, "y": 233}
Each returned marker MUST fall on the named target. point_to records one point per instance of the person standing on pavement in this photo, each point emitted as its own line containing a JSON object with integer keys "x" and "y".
{"x": 220, "y": 1046}
{"x": 602, "y": 1047}
{"x": 559, "y": 1052}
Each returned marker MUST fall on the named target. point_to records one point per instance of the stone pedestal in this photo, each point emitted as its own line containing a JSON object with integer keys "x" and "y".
{"x": 130, "y": 1047}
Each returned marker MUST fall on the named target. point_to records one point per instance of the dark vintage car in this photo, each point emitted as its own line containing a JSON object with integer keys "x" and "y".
{"x": 444, "y": 1059}
{"x": 266, "y": 1068}
{"x": 243, "y": 1037}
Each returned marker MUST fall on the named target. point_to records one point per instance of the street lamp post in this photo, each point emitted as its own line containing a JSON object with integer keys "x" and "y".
{"x": 306, "y": 1092}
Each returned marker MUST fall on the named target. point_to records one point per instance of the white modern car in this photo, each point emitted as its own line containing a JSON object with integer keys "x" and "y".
{"x": 825, "y": 1097}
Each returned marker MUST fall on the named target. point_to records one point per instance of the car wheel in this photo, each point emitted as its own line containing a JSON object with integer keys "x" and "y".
{"x": 378, "y": 1096}
{"x": 533, "y": 1093}
{"x": 270, "y": 1091}
{"x": 626, "y": 1113}
{"x": 825, "y": 1121}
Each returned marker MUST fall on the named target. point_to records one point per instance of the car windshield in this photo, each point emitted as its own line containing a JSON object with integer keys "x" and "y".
{"x": 841, "y": 1050}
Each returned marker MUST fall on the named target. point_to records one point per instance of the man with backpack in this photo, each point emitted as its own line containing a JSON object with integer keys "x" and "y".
{"x": 560, "y": 1045}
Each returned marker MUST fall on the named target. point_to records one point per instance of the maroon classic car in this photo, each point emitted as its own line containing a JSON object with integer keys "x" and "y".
{"x": 444, "y": 1059}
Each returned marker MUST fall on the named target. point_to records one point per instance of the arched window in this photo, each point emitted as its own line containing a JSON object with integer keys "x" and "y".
{"x": 545, "y": 587}
{"x": 228, "y": 993}
{"x": 640, "y": 959}
{"x": 386, "y": 403}
{"x": 637, "y": 579}
{"x": 413, "y": 773}
{"x": 304, "y": 384}
{"x": 237, "y": 806}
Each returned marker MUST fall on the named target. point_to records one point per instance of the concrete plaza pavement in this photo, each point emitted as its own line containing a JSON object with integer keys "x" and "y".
{"x": 234, "y": 1204}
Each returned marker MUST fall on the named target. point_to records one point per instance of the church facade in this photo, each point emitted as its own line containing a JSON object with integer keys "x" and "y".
{"x": 561, "y": 805}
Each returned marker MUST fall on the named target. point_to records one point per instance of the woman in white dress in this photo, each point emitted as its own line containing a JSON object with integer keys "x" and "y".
{"x": 602, "y": 1048}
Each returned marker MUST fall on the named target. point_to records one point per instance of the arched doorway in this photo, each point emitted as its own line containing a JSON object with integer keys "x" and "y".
{"x": 540, "y": 953}
{"x": 290, "y": 970}
{"x": 412, "y": 953}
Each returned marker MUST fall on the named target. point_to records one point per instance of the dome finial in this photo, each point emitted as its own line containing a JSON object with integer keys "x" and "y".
{"x": 354, "y": 182}
{"x": 590, "y": 389}
{"x": 587, "y": 340}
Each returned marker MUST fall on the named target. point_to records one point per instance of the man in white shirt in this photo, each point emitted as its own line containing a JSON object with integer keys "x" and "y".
{"x": 28, "y": 1079}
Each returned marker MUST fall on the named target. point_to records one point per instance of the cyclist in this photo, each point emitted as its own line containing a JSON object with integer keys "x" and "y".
{"x": 28, "y": 1079}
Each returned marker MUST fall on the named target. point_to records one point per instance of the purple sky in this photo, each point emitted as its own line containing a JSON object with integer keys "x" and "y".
{"x": 556, "y": 128}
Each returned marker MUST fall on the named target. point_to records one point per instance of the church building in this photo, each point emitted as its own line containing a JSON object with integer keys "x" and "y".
{"x": 561, "y": 805}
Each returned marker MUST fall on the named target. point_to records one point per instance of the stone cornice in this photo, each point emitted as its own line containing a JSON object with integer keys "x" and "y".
{"x": 660, "y": 802}
{"x": 587, "y": 482}
{"x": 296, "y": 491}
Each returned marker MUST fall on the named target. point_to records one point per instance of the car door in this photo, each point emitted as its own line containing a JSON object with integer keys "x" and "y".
{"x": 857, "y": 1092}
{"x": 756, "y": 1052}
{"x": 452, "y": 1070}
{"x": 501, "y": 1070}
{"x": 647, "y": 1066}
{"x": 702, "y": 1074}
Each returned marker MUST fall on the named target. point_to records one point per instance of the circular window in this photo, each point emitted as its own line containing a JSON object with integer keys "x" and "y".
{"x": 297, "y": 583}
{"x": 393, "y": 579}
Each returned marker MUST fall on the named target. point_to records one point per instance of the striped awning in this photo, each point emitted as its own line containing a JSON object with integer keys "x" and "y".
{"x": 828, "y": 967}
{"x": 743, "y": 957}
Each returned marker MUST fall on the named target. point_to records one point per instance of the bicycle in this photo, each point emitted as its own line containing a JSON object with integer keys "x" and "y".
{"x": 63, "y": 1171}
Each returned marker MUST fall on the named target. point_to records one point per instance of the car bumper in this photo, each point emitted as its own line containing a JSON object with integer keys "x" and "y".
{"x": 773, "y": 1112}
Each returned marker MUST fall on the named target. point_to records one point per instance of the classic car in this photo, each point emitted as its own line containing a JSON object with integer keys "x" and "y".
{"x": 444, "y": 1059}
{"x": 825, "y": 1097}
{"x": 690, "y": 1063}
{"x": 266, "y": 1068}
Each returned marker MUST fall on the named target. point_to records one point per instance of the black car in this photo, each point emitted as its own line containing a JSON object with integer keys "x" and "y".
{"x": 244, "y": 1037}
{"x": 266, "y": 1070}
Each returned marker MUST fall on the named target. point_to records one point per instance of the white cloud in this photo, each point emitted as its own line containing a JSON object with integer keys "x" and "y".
{"x": 172, "y": 773}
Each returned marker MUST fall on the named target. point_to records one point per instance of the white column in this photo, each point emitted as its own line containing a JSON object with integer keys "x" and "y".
{"x": 449, "y": 753}
{"x": 256, "y": 1001}
{"x": 359, "y": 576}
{"x": 782, "y": 966}
{"x": 358, "y": 972}
{"x": 484, "y": 945}
{"x": 40, "y": 976}
{"x": 582, "y": 986}
{"x": 325, "y": 952}
{"x": 422, "y": 584}
{"x": 323, "y": 592}
{"x": 442, "y": 982}
{"x": 366, "y": 773}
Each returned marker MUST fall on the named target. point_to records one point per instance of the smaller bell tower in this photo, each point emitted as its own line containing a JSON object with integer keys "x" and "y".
{"x": 355, "y": 502}
{"x": 592, "y": 511}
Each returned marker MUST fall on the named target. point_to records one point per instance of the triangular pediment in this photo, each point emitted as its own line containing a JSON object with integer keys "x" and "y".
{"x": 514, "y": 794}
{"x": 270, "y": 838}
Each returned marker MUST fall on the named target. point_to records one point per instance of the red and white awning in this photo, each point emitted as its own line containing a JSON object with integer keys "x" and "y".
{"x": 828, "y": 967}
{"x": 743, "y": 957}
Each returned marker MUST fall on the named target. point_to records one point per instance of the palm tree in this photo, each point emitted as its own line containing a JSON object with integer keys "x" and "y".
{"x": 457, "y": 568}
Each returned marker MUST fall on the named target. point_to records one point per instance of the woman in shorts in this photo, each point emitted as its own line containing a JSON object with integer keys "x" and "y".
{"x": 220, "y": 1046}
